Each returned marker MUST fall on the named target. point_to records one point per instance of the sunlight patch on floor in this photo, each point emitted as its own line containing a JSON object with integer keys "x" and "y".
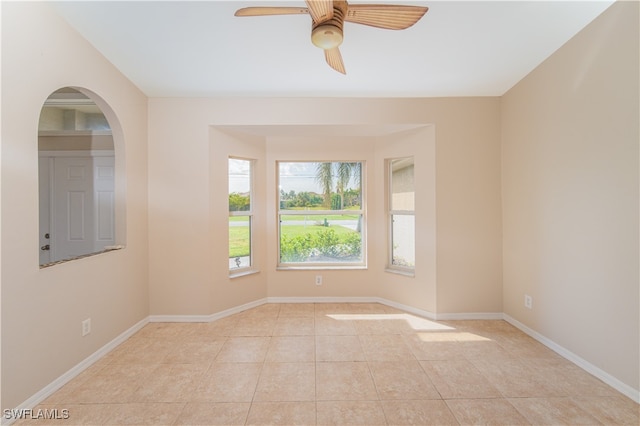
{"x": 414, "y": 322}
{"x": 456, "y": 336}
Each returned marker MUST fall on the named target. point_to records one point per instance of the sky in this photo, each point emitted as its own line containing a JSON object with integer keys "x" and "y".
{"x": 294, "y": 176}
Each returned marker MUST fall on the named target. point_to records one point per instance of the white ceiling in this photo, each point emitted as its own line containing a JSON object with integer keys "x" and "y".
{"x": 199, "y": 49}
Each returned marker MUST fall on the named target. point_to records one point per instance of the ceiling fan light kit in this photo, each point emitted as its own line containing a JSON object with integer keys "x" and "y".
{"x": 326, "y": 36}
{"x": 328, "y": 17}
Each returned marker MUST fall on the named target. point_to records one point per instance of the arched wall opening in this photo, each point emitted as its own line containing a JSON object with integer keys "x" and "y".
{"x": 81, "y": 177}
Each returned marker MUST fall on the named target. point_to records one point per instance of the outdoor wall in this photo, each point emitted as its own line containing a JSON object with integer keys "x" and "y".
{"x": 42, "y": 309}
{"x": 183, "y": 223}
{"x": 570, "y": 196}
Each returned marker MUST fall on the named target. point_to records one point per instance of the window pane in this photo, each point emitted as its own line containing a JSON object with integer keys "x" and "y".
{"x": 239, "y": 242}
{"x": 321, "y": 238}
{"x": 239, "y": 185}
{"x": 403, "y": 241}
{"x": 240, "y": 213}
{"x": 308, "y": 232}
{"x": 320, "y": 185}
{"x": 402, "y": 185}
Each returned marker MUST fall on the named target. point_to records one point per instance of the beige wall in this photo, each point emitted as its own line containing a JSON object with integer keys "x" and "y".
{"x": 570, "y": 195}
{"x": 42, "y": 309}
{"x": 468, "y": 234}
{"x": 187, "y": 193}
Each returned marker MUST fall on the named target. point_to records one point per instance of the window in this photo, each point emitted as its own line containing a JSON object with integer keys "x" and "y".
{"x": 401, "y": 201}
{"x": 240, "y": 214}
{"x": 320, "y": 214}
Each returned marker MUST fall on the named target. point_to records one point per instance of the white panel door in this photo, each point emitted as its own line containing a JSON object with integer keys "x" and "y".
{"x": 72, "y": 207}
{"x": 82, "y": 206}
{"x": 104, "y": 202}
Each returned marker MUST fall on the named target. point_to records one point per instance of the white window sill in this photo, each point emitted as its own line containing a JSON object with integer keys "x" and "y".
{"x": 243, "y": 273}
{"x": 321, "y": 268}
{"x": 407, "y": 273}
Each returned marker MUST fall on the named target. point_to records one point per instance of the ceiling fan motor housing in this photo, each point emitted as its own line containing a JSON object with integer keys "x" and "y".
{"x": 329, "y": 34}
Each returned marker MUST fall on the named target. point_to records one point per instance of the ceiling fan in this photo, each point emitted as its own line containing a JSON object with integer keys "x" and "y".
{"x": 328, "y": 17}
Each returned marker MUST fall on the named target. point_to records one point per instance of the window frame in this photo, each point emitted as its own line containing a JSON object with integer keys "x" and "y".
{"x": 251, "y": 268}
{"x": 362, "y": 264}
{"x": 391, "y": 265}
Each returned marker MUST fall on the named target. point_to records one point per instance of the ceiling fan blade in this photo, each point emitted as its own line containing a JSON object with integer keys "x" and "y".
{"x": 387, "y": 16}
{"x": 266, "y": 11}
{"x": 334, "y": 59}
{"x": 320, "y": 10}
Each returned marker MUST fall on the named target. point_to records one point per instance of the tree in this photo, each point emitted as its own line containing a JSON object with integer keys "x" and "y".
{"x": 238, "y": 202}
{"x": 351, "y": 197}
{"x": 324, "y": 176}
{"x": 342, "y": 173}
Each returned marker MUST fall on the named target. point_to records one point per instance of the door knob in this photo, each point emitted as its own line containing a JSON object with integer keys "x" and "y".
{"x": 45, "y": 247}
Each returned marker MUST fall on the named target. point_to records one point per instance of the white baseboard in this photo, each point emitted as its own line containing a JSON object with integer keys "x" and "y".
{"x": 179, "y": 318}
{"x": 420, "y": 312}
{"x": 48, "y": 390}
{"x": 207, "y": 318}
{"x": 470, "y": 316}
{"x": 406, "y": 308}
{"x": 350, "y": 299}
{"x": 237, "y": 309}
{"x": 346, "y": 299}
{"x": 621, "y": 387}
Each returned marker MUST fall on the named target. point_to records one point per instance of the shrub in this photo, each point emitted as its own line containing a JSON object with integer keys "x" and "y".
{"x": 353, "y": 244}
{"x": 296, "y": 249}
{"x": 325, "y": 242}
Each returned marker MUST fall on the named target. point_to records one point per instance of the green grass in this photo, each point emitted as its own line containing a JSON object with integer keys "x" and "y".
{"x": 320, "y": 208}
{"x": 296, "y": 230}
{"x": 309, "y": 218}
{"x": 315, "y": 218}
{"x": 238, "y": 218}
{"x": 239, "y": 242}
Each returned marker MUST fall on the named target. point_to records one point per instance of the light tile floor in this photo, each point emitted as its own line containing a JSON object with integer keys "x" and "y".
{"x": 336, "y": 364}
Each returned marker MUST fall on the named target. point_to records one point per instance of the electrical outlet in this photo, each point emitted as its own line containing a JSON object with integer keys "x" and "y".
{"x": 86, "y": 327}
{"x": 318, "y": 279}
{"x": 528, "y": 301}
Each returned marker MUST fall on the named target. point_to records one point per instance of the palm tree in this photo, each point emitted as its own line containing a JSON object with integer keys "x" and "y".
{"x": 324, "y": 176}
{"x": 342, "y": 172}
